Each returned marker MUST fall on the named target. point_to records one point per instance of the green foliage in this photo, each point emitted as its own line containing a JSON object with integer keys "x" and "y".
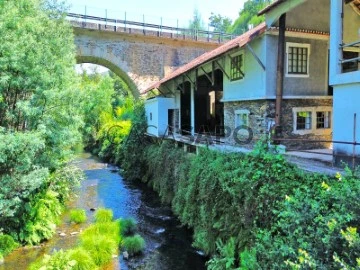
{"x": 103, "y": 215}
{"x": 99, "y": 242}
{"x": 109, "y": 229}
{"x": 324, "y": 209}
{"x": 197, "y": 22}
{"x": 248, "y": 16}
{"x": 108, "y": 109}
{"x": 7, "y": 244}
{"x": 83, "y": 259}
{"x": 128, "y": 226}
{"x": 78, "y": 216}
{"x": 60, "y": 260}
{"x": 64, "y": 180}
{"x": 40, "y": 221}
{"x": 100, "y": 247}
{"x": 226, "y": 258}
{"x": 256, "y": 211}
{"x": 134, "y": 244}
{"x": 220, "y": 23}
{"x": 40, "y": 118}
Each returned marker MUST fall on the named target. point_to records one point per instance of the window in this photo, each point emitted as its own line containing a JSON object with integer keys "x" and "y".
{"x": 323, "y": 119}
{"x": 150, "y": 116}
{"x": 236, "y": 67}
{"x": 352, "y": 65}
{"x": 297, "y": 59}
{"x": 241, "y": 118}
{"x": 303, "y": 120}
{"x": 316, "y": 120}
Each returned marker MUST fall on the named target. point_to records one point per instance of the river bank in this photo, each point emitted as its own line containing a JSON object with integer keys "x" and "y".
{"x": 168, "y": 244}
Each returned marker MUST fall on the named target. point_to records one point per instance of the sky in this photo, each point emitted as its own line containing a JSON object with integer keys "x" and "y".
{"x": 173, "y": 13}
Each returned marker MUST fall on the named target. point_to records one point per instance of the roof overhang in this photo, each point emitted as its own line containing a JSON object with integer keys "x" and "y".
{"x": 210, "y": 56}
{"x": 273, "y": 11}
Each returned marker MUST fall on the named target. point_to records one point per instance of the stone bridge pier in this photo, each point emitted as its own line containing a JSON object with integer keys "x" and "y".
{"x": 138, "y": 59}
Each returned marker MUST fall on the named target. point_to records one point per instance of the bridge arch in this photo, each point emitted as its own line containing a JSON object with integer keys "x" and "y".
{"x": 81, "y": 59}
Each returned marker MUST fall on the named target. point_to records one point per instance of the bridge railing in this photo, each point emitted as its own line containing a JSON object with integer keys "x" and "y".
{"x": 133, "y": 27}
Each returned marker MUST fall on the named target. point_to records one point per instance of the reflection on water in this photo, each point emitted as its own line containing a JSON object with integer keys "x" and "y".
{"x": 168, "y": 245}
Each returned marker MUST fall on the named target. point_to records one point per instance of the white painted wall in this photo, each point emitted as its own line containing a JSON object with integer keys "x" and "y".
{"x": 346, "y": 103}
{"x": 252, "y": 86}
{"x": 346, "y": 85}
{"x": 156, "y": 110}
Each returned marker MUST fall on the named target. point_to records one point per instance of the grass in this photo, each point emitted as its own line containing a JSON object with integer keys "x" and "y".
{"x": 103, "y": 215}
{"x": 83, "y": 259}
{"x": 109, "y": 229}
{"x": 128, "y": 226}
{"x": 134, "y": 244}
{"x": 78, "y": 216}
{"x": 100, "y": 247}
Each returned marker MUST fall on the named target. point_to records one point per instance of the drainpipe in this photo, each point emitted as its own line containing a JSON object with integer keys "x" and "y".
{"x": 192, "y": 109}
{"x": 280, "y": 72}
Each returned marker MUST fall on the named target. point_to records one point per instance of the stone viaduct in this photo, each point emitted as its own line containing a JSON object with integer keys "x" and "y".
{"x": 140, "y": 58}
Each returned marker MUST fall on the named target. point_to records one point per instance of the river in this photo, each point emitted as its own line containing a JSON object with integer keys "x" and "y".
{"x": 168, "y": 244}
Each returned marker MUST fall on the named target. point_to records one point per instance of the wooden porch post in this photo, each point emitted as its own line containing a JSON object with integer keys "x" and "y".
{"x": 280, "y": 69}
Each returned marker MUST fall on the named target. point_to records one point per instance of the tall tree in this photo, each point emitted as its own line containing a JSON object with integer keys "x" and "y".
{"x": 220, "y": 23}
{"x": 39, "y": 112}
{"x": 248, "y": 16}
{"x": 197, "y": 22}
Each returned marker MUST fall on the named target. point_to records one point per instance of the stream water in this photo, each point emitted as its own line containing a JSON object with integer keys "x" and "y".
{"x": 168, "y": 244}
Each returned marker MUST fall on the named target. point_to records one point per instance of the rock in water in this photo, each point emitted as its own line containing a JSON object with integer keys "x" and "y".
{"x": 125, "y": 255}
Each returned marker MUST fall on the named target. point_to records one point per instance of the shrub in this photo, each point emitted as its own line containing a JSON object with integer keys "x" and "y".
{"x": 7, "y": 244}
{"x": 83, "y": 259}
{"x": 128, "y": 226}
{"x": 41, "y": 221}
{"x": 78, "y": 216}
{"x": 60, "y": 260}
{"x": 134, "y": 244}
{"x": 103, "y": 215}
{"x": 100, "y": 247}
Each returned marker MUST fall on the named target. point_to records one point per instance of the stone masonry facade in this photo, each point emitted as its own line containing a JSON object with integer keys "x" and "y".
{"x": 261, "y": 116}
{"x": 142, "y": 60}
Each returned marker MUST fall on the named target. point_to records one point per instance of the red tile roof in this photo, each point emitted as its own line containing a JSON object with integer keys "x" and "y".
{"x": 270, "y": 7}
{"x": 206, "y": 57}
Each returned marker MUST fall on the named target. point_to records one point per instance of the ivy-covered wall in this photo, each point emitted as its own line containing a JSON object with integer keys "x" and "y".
{"x": 254, "y": 211}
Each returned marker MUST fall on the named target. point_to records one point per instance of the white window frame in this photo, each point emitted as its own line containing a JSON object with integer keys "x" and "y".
{"x": 327, "y": 119}
{"x": 298, "y": 45}
{"x": 239, "y": 113}
{"x": 314, "y": 130}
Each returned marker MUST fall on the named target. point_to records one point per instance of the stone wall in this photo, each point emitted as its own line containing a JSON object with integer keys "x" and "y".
{"x": 140, "y": 60}
{"x": 262, "y": 112}
{"x": 287, "y": 124}
{"x": 262, "y": 117}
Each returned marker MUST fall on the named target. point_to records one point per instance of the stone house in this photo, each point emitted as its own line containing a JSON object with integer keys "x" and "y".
{"x": 276, "y": 74}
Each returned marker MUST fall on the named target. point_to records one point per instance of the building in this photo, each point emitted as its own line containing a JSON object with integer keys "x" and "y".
{"x": 276, "y": 74}
{"x": 345, "y": 78}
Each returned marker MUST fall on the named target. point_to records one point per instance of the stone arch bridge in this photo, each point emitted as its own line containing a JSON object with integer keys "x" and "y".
{"x": 138, "y": 55}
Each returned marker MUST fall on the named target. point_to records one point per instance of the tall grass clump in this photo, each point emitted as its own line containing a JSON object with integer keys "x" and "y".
{"x": 128, "y": 226}
{"x": 78, "y": 216}
{"x": 100, "y": 247}
{"x": 134, "y": 244}
{"x": 108, "y": 229}
{"x": 83, "y": 259}
{"x": 103, "y": 215}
